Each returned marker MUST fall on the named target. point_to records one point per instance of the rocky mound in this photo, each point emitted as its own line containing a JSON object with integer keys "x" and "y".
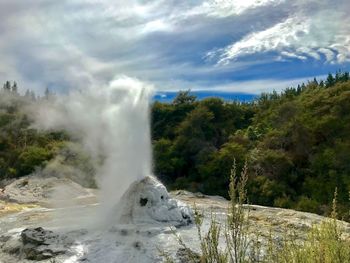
{"x": 147, "y": 201}
{"x": 41, "y": 189}
{"x": 36, "y": 244}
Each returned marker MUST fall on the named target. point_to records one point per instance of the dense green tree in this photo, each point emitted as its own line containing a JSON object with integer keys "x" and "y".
{"x": 184, "y": 97}
{"x": 296, "y": 143}
{"x": 330, "y": 80}
{"x": 31, "y": 158}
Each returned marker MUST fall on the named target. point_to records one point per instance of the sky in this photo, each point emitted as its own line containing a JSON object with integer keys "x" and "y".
{"x": 242, "y": 46}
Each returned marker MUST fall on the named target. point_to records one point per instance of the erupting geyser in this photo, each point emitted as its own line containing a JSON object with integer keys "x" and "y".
{"x": 114, "y": 127}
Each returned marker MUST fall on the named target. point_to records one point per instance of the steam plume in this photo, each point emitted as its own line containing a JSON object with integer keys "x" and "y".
{"x": 113, "y": 125}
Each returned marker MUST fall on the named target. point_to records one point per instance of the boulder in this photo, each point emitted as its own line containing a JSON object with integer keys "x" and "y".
{"x": 39, "y": 244}
{"x": 11, "y": 245}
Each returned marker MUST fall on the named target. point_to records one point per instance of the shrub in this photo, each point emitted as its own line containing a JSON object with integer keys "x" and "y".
{"x": 33, "y": 157}
{"x": 308, "y": 205}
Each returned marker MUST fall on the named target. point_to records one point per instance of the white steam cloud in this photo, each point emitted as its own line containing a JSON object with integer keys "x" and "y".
{"x": 112, "y": 123}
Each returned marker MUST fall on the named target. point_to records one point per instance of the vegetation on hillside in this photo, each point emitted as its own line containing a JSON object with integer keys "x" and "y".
{"x": 297, "y": 143}
{"x": 25, "y": 150}
{"x": 22, "y": 148}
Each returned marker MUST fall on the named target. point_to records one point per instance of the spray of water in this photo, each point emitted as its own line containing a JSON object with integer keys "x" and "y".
{"x": 113, "y": 125}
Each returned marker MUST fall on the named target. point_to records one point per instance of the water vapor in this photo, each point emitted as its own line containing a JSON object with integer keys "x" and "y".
{"x": 112, "y": 123}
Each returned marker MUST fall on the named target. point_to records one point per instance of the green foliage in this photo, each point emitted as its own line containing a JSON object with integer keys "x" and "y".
{"x": 184, "y": 97}
{"x": 297, "y": 141}
{"x": 31, "y": 158}
{"x": 23, "y": 149}
{"x": 308, "y": 205}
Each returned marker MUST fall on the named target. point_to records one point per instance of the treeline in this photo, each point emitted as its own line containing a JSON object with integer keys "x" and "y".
{"x": 296, "y": 144}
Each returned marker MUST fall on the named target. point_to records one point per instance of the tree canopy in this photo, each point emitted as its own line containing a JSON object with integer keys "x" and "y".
{"x": 296, "y": 143}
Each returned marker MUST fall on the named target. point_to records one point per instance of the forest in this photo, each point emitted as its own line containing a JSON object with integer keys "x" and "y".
{"x": 296, "y": 143}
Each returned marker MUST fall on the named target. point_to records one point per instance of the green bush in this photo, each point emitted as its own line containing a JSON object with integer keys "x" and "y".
{"x": 308, "y": 205}
{"x": 31, "y": 158}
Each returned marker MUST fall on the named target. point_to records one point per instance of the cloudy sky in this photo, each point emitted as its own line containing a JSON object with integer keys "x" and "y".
{"x": 231, "y": 45}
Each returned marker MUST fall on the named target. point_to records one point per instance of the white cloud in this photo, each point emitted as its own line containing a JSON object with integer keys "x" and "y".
{"x": 259, "y": 86}
{"x": 280, "y": 36}
{"x": 225, "y": 8}
{"x": 311, "y": 31}
{"x": 158, "y": 25}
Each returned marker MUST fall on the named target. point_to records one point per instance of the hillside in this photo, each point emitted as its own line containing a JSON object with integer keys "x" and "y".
{"x": 296, "y": 144}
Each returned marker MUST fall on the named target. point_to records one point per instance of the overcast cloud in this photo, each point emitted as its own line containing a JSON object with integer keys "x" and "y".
{"x": 174, "y": 44}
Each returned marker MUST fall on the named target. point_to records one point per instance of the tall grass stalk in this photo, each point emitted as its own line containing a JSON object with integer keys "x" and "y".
{"x": 237, "y": 225}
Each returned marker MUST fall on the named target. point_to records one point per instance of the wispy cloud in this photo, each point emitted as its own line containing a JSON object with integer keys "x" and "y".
{"x": 314, "y": 30}
{"x": 245, "y": 86}
{"x": 77, "y": 43}
{"x": 225, "y": 8}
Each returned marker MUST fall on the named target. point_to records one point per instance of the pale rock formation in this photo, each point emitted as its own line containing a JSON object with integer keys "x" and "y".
{"x": 42, "y": 189}
{"x": 148, "y": 202}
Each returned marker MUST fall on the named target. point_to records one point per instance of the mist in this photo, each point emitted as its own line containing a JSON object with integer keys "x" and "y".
{"x": 112, "y": 124}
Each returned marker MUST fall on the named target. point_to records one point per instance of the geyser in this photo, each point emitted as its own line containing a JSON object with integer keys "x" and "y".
{"x": 113, "y": 125}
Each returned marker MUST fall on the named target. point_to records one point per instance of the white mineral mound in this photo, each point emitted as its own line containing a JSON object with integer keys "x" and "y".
{"x": 147, "y": 202}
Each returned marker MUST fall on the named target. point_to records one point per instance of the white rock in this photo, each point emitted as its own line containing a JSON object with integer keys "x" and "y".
{"x": 41, "y": 189}
{"x": 147, "y": 202}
